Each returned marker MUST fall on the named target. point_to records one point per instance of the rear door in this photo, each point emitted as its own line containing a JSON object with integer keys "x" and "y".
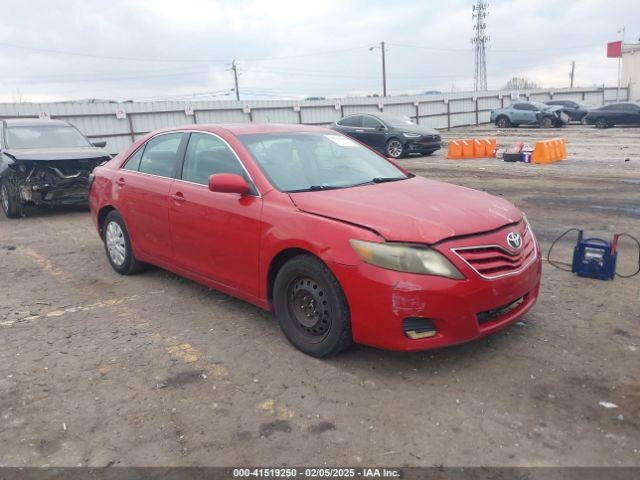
{"x": 215, "y": 235}
{"x": 143, "y": 186}
{"x": 351, "y": 125}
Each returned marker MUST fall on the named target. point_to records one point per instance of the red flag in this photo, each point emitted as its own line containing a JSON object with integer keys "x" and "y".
{"x": 614, "y": 49}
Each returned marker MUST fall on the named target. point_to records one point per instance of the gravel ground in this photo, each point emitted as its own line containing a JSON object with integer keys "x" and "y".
{"x": 98, "y": 369}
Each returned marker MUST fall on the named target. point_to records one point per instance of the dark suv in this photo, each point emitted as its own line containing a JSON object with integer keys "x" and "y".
{"x": 394, "y": 136}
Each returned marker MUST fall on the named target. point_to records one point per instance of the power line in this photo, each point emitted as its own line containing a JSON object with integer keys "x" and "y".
{"x": 169, "y": 60}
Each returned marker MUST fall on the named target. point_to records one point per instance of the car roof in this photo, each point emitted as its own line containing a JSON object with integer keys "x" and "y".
{"x": 33, "y": 122}
{"x": 248, "y": 128}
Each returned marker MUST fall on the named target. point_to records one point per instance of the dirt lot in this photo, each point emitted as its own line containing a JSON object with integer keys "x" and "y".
{"x": 98, "y": 369}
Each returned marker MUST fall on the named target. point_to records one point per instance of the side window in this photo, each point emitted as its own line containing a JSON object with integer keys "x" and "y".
{"x": 133, "y": 163}
{"x": 207, "y": 155}
{"x": 370, "y": 122}
{"x": 519, "y": 106}
{"x": 352, "y": 121}
{"x": 160, "y": 155}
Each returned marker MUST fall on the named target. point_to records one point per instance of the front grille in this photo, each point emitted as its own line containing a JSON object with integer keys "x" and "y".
{"x": 493, "y": 261}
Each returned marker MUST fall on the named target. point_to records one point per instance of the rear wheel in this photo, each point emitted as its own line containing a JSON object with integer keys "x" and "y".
{"x": 311, "y": 307}
{"x": 117, "y": 245}
{"x": 9, "y": 199}
{"x": 503, "y": 122}
{"x": 602, "y": 123}
{"x": 395, "y": 148}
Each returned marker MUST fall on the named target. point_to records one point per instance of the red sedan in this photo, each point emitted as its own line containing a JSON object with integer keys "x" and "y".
{"x": 340, "y": 242}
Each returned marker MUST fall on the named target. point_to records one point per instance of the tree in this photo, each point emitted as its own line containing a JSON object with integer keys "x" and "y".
{"x": 518, "y": 83}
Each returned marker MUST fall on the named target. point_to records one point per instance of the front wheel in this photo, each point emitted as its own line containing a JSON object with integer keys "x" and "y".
{"x": 117, "y": 245}
{"x": 602, "y": 123}
{"x": 395, "y": 148}
{"x": 311, "y": 307}
{"x": 546, "y": 122}
{"x": 9, "y": 199}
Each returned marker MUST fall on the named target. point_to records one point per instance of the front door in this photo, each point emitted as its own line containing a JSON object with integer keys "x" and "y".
{"x": 215, "y": 235}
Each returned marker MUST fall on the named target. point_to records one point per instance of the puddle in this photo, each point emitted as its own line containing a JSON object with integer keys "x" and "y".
{"x": 632, "y": 182}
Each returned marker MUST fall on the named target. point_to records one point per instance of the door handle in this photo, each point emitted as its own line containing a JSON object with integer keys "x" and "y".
{"x": 178, "y": 197}
{"x": 120, "y": 182}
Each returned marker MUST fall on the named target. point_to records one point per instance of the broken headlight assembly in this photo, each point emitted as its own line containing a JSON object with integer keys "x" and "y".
{"x": 406, "y": 258}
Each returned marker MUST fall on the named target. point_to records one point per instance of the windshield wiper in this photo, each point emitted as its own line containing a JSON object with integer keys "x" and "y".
{"x": 315, "y": 188}
{"x": 387, "y": 179}
{"x": 380, "y": 180}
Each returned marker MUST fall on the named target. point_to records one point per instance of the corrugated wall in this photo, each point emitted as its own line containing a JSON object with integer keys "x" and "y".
{"x": 99, "y": 120}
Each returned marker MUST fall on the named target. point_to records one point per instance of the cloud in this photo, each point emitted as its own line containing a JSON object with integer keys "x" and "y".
{"x": 161, "y": 49}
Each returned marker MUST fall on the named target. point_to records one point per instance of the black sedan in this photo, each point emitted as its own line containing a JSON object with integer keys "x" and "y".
{"x": 614, "y": 114}
{"x": 45, "y": 162}
{"x": 574, "y": 110}
{"x": 393, "y": 136}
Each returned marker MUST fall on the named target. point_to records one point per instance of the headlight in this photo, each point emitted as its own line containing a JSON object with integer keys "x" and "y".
{"x": 405, "y": 258}
{"x": 412, "y": 135}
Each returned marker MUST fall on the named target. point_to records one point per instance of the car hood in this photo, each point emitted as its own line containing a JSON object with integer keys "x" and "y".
{"x": 419, "y": 129}
{"x": 44, "y": 154}
{"x": 414, "y": 210}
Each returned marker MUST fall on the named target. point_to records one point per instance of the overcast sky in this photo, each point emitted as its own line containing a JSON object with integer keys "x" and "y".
{"x": 166, "y": 49}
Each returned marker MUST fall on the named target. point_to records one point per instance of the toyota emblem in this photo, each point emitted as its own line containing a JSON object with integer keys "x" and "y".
{"x": 514, "y": 240}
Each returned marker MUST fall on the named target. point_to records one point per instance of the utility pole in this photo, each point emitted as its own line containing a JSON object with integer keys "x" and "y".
{"x": 384, "y": 68}
{"x": 480, "y": 39}
{"x": 620, "y": 63}
{"x": 234, "y": 67}
{"x": 573, "y": 70}
{"x": 384, "y": 71}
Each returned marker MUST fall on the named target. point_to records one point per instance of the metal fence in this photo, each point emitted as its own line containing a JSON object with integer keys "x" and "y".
{"x": 120, "y": 124}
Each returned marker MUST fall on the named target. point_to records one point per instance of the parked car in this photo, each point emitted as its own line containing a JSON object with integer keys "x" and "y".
{"x": 46, "y": 163}
{"x": 529, "y": 113}
{"x": 394, "y": 136}
{"x": 339, "y": 241}
{"x": 614, "y": 114}
{"x": 576, "y": 111}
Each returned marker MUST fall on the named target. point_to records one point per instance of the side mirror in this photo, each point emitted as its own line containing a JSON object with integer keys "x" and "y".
{"x": 100, "y": 144}
{"x": 228, "y": 183}
{"x": 381, "y": 128}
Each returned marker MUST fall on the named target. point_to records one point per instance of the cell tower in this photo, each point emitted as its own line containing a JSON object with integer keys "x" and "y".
{"x": 480, "y": 12}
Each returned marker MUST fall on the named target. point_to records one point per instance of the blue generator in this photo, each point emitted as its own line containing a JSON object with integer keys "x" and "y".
{"x": 595, "y": 257}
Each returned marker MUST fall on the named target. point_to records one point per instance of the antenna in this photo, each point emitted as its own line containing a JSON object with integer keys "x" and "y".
{"x": 479, "y": 12}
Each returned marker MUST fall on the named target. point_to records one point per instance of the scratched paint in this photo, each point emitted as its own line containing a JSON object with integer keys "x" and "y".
{"x": 407, "y": 299}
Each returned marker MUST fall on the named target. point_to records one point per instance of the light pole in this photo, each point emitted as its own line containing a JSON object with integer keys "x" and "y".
{"x": 384, "y": 68}
{"x": 234, "y": 67}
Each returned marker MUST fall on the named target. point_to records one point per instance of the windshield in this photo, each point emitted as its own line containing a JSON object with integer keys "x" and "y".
{"x": 397, "y": 121}
{"x": 317, "y": 161}
{"x": 45, "y": 136}
{"x": 541, "y": 106}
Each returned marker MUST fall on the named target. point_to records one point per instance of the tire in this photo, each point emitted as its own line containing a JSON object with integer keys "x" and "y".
{"x": 546, "y": 122}
{"x": 9, "y": 199}
{"x": 601, "y": 123}
{"x": 302, "y": 285}
{"x": 395, "y": 148}
{"x": 117, "y": 245}
{"x": 503, "y": 122}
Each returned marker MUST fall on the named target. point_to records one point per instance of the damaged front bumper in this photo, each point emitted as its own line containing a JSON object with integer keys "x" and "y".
{"x": 53, "y": 182}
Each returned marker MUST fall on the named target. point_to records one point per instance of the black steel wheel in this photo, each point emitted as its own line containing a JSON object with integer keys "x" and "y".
{"x": 9, "y": 200}
{"x": 311, "y": 307}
